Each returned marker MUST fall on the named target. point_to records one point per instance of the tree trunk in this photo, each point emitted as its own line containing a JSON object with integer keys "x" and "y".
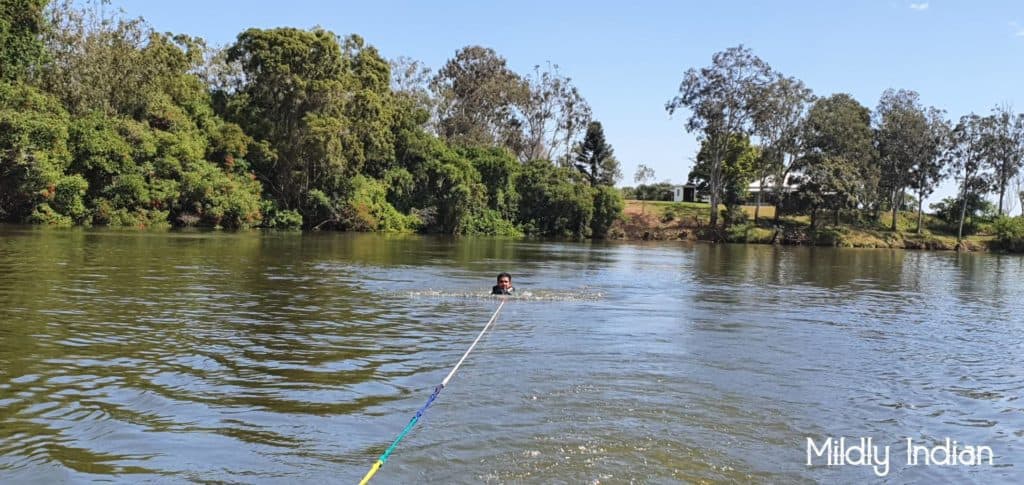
{"x": 920, "y": 208}
{"x": 757, "y": 206}
{"x": 895, "y": 208}
{"x": 836, "y": 217}
{"x": 714, "y": 208}
{"x": 715, "y": 183}
{"x": 1002, "y": 191}
{"x": 899, "y": 206}
{"x": 780, "y": 197}
{"x": 1020, "y": 195}
{"x": 760, "y": 192}
{"x": 963, "y": 212}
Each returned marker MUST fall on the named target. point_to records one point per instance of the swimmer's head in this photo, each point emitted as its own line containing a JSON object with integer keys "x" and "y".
{"x": 504, "y": 281}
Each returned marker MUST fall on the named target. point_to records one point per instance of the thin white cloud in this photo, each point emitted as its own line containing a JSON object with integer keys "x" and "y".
{"x": 1018, "y": 31}
{"x": 919, "y": 6}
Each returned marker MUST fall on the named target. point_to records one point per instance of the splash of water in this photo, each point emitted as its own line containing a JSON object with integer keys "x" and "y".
{"x": 583, "y": 294}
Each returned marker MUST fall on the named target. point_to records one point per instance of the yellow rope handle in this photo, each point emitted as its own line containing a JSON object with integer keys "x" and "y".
{"x": 369, "y": 474}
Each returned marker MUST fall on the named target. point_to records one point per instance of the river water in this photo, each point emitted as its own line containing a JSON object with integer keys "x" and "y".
{"x": 133, "y": 357}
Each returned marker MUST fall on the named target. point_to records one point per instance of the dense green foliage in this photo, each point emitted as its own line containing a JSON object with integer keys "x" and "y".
{"x": 977, "y": 210}
{"x": 35, "y": 155}
{"x": 1009, "y": 232}
{"x": 837, "y": 165}
{"x": 737, "y": 168}
{"x": 608, "y": 205}
{"x": 104, "y": 121}
{"x": 553, "y": 204}
{"x": 21, "y": 23}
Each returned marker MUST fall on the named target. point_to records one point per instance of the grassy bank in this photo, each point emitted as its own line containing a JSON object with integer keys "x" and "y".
{"x": 658, "y": 220}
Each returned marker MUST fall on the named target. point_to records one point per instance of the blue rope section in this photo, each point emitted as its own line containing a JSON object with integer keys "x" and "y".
{"x": 412, "y": 422}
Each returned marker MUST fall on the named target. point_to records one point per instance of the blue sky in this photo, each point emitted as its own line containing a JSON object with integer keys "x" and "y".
{"x": 627, "y": 58}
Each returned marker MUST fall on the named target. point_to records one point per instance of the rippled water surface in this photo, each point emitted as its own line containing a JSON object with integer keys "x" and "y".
{"x": 255, "y": 358}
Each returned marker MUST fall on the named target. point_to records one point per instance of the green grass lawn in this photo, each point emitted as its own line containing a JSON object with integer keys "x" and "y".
{"x": 690, "y": 211}
{"x": 934, "y": 232}
{"x": 907, "y": 222}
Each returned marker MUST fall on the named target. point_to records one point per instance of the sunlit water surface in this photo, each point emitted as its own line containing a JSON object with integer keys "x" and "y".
{"x": 276, "y": 358}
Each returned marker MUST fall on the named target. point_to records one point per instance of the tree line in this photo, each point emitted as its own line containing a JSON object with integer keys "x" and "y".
{"x": 757, "y": 124}
{"x": 104, "y": 121}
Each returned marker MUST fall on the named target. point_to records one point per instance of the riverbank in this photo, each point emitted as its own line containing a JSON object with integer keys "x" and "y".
{"x": 660, "y": 220}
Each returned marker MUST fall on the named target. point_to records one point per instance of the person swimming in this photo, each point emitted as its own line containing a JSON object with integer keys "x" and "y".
{"x": 504, "y": 286}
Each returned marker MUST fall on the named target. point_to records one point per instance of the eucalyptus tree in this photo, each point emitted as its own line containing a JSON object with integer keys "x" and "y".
{"x": 95, "y": 60}
{"x": 1005, "y": 147}
{"x": 411, "y": 78}
{"x": 966, "y": 154}
{"x": 903, "y": 138}
{"x": 1019, "y": 189}
{"x": 1012, "y": 200}
{"x": 838, "y": 155}
{"x": 554, "y": 115}
{"x": 595, "y": 158}
{"x": 643, "y": 175}
{"x": 929, "y": 164}
{"x": 477, "y": 99}
{"x": 783, "y": 106}
{"x": 481, "y": 101}
{"x": 722, "y": 100}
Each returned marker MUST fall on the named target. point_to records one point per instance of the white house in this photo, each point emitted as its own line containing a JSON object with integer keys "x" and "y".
{"x": 684, "y": 193}
{"x": 688, "y": 192}
{"x": 790, "y": 185}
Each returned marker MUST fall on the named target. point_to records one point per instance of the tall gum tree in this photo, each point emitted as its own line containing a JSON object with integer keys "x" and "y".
{"x": 903, "y": 137}
{"x": 721, "y": 100}
{"x": 929, "y": 165}
{"x": 965, "y": 160}
{"x": 554, "y": 115}
{"x": 1005, "y": 149}
{"x": 477, "y": 98}
{"x": 838, "y": 154}
{"x": 784, "y": 105}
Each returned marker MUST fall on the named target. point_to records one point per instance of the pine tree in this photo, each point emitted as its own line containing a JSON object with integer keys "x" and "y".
{"x": 595, "y": 157}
